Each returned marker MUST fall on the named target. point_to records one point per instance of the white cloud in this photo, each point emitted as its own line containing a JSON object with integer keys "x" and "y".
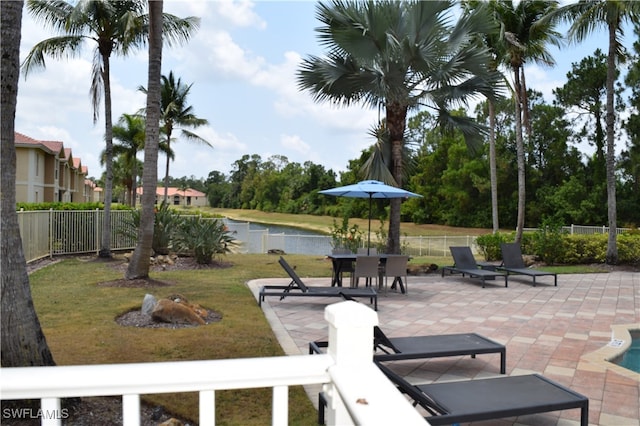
{"x": 295, "y": 143}
{"x": 240, "y": 13}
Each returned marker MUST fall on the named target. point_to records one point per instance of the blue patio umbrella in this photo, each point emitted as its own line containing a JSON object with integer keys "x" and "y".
{"x": 369, "y": 189}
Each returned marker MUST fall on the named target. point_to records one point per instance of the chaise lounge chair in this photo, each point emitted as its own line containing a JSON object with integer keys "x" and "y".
{"x": 465, "y": 264}
{"x": 513, "y": 263}
{"x": 488, "y": 399}
{"x": 422, "y": 347}
{"x": 299, "y": 289}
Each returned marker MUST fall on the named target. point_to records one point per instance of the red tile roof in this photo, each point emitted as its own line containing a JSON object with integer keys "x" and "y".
{"x": 175, "y": 191}
{"x": 51, "y": 147}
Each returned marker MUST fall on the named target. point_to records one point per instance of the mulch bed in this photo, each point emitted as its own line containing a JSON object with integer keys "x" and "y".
{"x": 138, "y": 319}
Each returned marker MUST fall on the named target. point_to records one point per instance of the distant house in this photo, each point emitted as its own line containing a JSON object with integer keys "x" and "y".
{"x": 96, "y": 193}
{"x": 46, "y": 171}
{"x": 178, "y": 197}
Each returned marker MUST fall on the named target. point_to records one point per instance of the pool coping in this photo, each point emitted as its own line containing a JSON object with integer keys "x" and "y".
{"x": 603, "y": 358}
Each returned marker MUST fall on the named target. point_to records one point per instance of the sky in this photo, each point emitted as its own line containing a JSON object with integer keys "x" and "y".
{"x": 242, "y": 63}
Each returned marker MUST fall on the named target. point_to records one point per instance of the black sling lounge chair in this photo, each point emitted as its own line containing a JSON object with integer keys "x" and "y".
{"x": 465, "y": 264}
{"x": 488, "y": 399}
{"x": 299, "y": 289}
{"x": 422, "y": 347}
{"x": 512, "y": 263}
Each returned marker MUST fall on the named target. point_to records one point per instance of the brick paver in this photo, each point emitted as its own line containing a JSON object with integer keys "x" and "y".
{"x": 546, "y": 329}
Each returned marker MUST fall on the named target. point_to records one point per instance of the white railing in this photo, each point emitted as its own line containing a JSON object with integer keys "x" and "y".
{"x": 589, "y": 230}
{"x": 51, "y": 232}
{"x": 58, "y": 232}
{"x": 356, "y": 391}
{"x": 437, "y": 246}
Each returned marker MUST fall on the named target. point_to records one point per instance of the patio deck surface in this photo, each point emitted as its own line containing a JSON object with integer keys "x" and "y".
{"x": 564, "y": 333}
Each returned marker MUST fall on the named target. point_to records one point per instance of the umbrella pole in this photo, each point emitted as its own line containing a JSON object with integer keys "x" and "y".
{"x": 369, "y": 230}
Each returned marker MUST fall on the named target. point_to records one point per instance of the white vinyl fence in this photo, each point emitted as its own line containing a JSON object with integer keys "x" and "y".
{"x": 47, "y": 233}
{"x": 58, "y": 232}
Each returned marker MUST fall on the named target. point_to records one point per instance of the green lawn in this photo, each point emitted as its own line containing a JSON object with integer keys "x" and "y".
{"x": 78, "y": 318}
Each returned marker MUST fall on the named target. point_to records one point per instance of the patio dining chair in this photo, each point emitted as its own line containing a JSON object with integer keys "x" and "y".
{"x": 367, "y": 267}
{"x": 396, "y": 268}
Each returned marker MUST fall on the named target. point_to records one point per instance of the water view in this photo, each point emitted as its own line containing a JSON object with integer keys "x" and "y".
{"x": 259, "y": 238}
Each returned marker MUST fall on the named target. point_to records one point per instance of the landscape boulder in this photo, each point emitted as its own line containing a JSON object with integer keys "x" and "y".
{"x": 176, "y": 309}
{"x": 148, "y": 304}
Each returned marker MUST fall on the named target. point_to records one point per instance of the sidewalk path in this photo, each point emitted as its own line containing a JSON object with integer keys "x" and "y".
{"x": 562, "y": 332}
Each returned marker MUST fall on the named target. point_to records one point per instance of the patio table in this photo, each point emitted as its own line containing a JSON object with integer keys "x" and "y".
{"x": 340, "y": 262}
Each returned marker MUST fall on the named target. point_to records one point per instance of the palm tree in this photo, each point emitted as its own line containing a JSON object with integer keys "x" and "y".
{"x": 23, "y": 343}
{"x": 523, "y": 37}
{"x": 116, "y": 27}
{"x": 492, "y": 41}
{"x": 400, "y": 56}
{"x": 129, "y": 132}
{"x": 585, "y": 17}
{"x": 176, "y": 114}
{"x": 139, "y": 263}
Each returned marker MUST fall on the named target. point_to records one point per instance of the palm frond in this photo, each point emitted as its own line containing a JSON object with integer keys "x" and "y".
{"x": 64, "y": 47}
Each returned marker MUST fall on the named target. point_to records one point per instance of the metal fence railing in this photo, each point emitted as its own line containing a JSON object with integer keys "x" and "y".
{"x": 590, "y": 230}
{"x": 58, "y": 232}
{"x": 49, "y": 233}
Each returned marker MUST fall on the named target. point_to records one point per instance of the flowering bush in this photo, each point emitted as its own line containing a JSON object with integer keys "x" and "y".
{"x": 346, "y": 236}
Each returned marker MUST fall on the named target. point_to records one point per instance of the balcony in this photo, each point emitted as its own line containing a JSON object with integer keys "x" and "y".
{"x": 356, "y": 390}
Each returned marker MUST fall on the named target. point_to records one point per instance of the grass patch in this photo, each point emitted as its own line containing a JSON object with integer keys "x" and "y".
{"x": 324, "y": 223}
{"x": 78, "y": 319}
{"x": 573, "y": 269}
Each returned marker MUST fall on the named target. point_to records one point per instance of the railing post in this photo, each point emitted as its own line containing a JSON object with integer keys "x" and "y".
{"x": 98, "y": 227}
{"x": 131, "y": 410}
{"x": 50, "y": 233}
{"x": 350, "y": 336}
{"x": 207, "y": 408}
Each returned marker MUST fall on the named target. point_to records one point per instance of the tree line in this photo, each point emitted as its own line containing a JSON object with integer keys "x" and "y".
{"x": 564, "y": 184}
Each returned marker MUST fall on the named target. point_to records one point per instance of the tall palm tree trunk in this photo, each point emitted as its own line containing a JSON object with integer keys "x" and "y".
{"x": 23, "y": 343}
{"x": 519, "y": 157}
{"x": 134, "y": 184}
{"x": 396, "y": 120}
{"x": 105, "y": 245}
{"x": 612, "y": 249}
{"x": 492, "y": 166}
{"x": 166, "y": 170}
{"x": 139, "y": 264}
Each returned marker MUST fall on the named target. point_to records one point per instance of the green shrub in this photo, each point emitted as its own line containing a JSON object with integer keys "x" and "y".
{"x": 202, "y": 238}
{"x": 165, "y": 222}
{"x": 67, "y": 206}
{"x": 489, "y": 244}
{"x": 585, "y": 249}
{"x": 346, "y": 236}
{"x": 548, "y": 241}
{"x": 629, "y": 248}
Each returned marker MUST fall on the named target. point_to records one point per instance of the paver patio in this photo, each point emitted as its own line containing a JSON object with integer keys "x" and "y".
{"x": 562, "y": 332}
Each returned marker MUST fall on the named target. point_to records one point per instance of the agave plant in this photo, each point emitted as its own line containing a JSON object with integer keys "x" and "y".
{"x": 166, "y": 220}
{"x": 202, "y": 238}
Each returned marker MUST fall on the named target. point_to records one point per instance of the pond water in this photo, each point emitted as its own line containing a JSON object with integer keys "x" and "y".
{"x": 276, "y": 229}
{"x": 259, "y": 238}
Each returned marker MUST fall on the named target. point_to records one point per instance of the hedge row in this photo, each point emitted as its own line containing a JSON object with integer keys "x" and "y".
{"x": 562, "y": 248}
